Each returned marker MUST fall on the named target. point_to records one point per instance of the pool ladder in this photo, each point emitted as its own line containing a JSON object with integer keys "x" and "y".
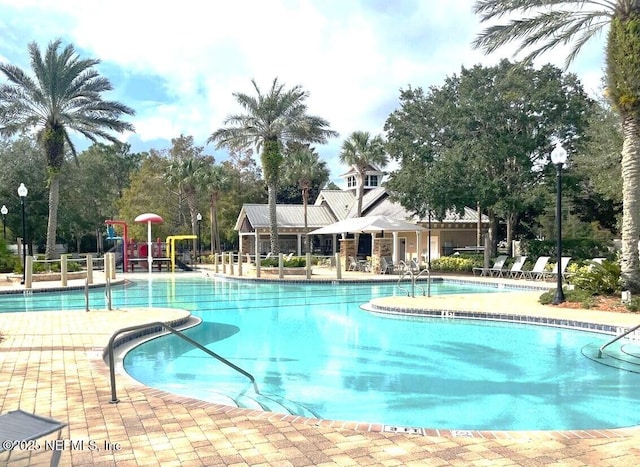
{"x": 159, "y": 325}
{"x": 407, "y": 271}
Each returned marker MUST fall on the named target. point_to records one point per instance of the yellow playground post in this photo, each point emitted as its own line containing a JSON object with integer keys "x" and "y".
{"x": 171, "y": 247}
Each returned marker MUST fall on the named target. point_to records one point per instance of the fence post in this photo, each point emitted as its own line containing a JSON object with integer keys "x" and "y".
{"x": 280, "y": 265}
{"x": 63, "y": 270}
{"x": 89, "y": 269}
{"x": 28, "y": 271}
{"x": 258, "y": 261}
{"x": 231, "y": 263}
{"x": 107, "y": 266}
{"x": 112, "y": 266}
{"x": 338, "y": 267}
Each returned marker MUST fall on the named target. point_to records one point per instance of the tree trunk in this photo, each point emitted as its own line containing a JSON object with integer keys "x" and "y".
{"x": 493, "y": 233}
{"x": 52, "y": 223}
{"x": 512, "y": 220}
{"x": 273, "y": 218}
{"x": 630, "y": 263}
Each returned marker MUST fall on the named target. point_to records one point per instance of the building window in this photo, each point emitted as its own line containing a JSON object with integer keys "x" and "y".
{"x": 371, "y": 180}
{"x": 351, "y": 182}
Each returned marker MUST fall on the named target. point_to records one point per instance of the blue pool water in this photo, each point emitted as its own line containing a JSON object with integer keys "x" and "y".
{"x": 313, "y": 345}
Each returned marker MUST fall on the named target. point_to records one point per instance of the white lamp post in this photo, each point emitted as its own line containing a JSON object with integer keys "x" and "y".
{"x": 4, "y": 211}
{"x": 22, "y": 193}
{"x": 558, "y": 158}
{"x": 199, "y": 219}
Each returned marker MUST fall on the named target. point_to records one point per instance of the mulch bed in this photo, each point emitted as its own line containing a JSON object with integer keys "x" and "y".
{"x": 600, "y": 304}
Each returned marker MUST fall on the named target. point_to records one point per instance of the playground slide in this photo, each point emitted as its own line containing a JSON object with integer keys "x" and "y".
{"x": 183, "y": 266}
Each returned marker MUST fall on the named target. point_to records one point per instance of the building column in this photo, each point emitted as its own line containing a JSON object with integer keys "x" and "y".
{"x": 395, "y": 248}
{"x": 299, "y": 245}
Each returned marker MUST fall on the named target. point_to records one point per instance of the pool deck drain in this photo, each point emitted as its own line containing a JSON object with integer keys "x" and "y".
{"x": 51, "y": 364}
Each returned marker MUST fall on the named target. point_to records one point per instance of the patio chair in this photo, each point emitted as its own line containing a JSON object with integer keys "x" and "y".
{"x": 564, "y": 261}
{"x": 498, "y": 264}
{"x": 353, "y": 264}
{"x": 19, "y": 425}
{"x": 386, "y": 265}
{"x": 515, "y": 269}
{"x": 538, "y": 269}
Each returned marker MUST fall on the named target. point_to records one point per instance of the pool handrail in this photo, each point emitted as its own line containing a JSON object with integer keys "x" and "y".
{"x": 617, "y": 338}
{"x": 407, "y": 271}
{"x": 112, "y": 369}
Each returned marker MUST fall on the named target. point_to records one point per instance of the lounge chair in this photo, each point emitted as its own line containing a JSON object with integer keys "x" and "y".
{"x": 19, "y": 425}
{"x": 538, "y": 269}
{"x": 386, "y": 265}
{"x": 516, "y": 268}
{"x": 498, "y": 264}
{"x": 564, "y": 261}
{"x": 353, "y": 264}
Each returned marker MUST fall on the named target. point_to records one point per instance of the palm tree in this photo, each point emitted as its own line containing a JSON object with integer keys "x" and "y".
{"x": 306, "y": 169}
{"x": 184, "y": 171}
{"x": 360, "y": 151}
{"x": 540, "y": 25}
{"x": 215, "y": 181}
{"x": 269, "y": 122}
{"x": 64, "y": 95}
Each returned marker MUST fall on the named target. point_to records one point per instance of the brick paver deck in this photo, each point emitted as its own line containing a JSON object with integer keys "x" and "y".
{"x": 51, "y": 364}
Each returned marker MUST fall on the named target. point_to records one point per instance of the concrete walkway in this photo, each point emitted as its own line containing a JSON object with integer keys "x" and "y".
{"x": 52, "y": 364}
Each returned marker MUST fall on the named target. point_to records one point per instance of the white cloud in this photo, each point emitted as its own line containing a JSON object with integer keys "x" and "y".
{"x": 352, "y": 57}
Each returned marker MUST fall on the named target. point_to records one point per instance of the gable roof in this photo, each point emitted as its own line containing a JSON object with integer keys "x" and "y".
{"x": 338, "y": 201}
{"x": 371, "y": 169}
{"x": 288, "y": 215}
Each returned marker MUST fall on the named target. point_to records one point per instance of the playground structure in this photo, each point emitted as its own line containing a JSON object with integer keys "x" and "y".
{"x": 146, "y": 254}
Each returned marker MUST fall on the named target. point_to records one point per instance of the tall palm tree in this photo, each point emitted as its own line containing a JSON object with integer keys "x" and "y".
{"x": 64, "y": 95}
{"x": 215, "y": 180}
{"x": 359, "y": 151}
{"x": 269, "y": 122}
{"x": 305, "y": 168}
{"x": 184, "y": 169}
{"x": 540, "y": 25}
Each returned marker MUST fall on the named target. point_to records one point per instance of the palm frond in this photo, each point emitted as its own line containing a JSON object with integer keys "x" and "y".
{"x": 543, "y": 30}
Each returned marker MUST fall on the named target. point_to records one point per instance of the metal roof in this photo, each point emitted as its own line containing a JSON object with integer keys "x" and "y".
{"x": 288, "y": 215}
{"x": 338, "y": 201}
{"x": 336, "y": 205}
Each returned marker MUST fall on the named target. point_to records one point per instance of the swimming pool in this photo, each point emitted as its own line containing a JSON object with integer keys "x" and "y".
{"x": 311, "y": 348}
{"x": 313, "y": 345}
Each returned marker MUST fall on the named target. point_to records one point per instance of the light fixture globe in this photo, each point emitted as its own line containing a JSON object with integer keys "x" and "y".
{"x": 199, "y": 217}
{"x": 4, "y": 211}
{"x": 559, "y": 155}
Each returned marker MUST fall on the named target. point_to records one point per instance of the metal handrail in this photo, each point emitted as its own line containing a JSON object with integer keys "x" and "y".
{"x": 617, "y": 338}
{"x": 406, "y": 270}
{"x": 428, "y": 272}
{"x": 404, "y": 273}
{"x": 112, "y": 369}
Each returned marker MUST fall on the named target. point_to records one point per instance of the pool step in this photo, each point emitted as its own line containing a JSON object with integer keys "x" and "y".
{"x": 273, "y": 403}
{"x": 620, "y": 355}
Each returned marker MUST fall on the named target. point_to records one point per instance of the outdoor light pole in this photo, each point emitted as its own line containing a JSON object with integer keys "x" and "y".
{"x": 4, "y": 212}
{"x": 22, "y": 193}
{"x": 199, "y": 218}
{"x": 559, "y": 157}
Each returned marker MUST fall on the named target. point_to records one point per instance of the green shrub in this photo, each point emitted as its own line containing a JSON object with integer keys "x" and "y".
{"x": 584, "y": 297}
{"x": 295, "y": 262}
{"x": 597, "y": 279}
{"x": 454, "y": 264}
{"x": 634, "y": 305}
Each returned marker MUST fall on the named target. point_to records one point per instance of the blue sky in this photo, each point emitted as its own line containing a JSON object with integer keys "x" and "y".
{"x": 178, "y": 63}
